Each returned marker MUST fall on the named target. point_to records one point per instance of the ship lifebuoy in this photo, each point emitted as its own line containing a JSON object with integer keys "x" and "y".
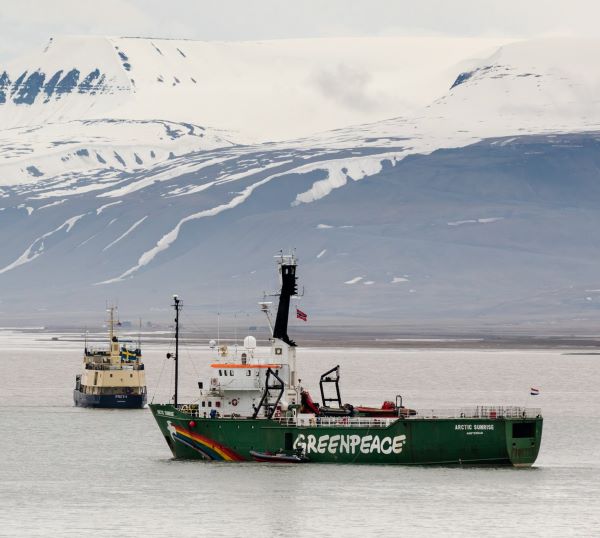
{"x": 278, "y": 413}
{"x": 234, "y": 402}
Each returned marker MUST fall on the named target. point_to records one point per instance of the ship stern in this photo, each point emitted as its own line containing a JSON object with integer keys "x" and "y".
{"x": 523, "y": 440}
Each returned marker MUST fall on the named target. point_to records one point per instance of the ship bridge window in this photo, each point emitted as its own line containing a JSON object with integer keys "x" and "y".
{"x": 209, "y": 403}
{"x": 230, "y": 372}
{"x": 220, "y": 373}
{"x": 203, "y": 403}
{"x": 217, "y": 404}
{"x": 248, "y": 372}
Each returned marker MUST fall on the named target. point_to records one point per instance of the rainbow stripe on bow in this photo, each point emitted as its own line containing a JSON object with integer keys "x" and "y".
{"x": 209, "y": 449}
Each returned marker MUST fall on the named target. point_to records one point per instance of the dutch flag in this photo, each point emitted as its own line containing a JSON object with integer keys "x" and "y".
{"x": 533, "y": 391}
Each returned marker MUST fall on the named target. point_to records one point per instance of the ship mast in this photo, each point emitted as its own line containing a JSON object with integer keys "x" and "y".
{"x": 177, "y": 305}
{"x": 115, "y": 356}
{"x": 111, "y": 324}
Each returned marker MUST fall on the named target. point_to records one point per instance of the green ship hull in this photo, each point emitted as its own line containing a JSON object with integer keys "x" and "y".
{"x": 492, "y": 438}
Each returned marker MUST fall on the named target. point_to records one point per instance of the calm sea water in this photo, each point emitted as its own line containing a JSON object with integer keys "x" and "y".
{"x": 77, "y": 472}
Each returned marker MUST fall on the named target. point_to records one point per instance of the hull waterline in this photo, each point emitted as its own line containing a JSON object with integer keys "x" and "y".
{"x": 109, "y": 401}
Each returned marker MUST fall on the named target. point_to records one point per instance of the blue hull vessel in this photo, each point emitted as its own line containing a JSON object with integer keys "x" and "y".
{"x": 113, "y": 376}
{"x": 119, "y": 401}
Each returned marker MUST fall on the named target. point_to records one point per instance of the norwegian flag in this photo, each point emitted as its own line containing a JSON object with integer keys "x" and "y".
{"x": 301, "y": 315}
{"x": 534, "y": 391}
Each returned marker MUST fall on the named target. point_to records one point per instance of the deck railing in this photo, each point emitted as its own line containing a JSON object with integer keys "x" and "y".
{"x": 479, "y": 412}
{"x": 329, "y": 422}
{"x": 107, "y": 366}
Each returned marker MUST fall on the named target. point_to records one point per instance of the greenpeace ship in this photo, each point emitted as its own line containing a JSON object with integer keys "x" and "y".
{"x": 113, "y": 376}
{"x": 254, "y": 408}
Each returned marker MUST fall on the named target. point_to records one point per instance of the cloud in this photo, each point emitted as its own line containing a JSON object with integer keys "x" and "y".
{"x": 77, "y": 14}
{"x": 346, "y": 85}
{"x": 26, "y": 24}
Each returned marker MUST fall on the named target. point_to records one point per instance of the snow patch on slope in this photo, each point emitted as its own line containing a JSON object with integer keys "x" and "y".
{"x": 164, "y": 173}
{"x": 168, "y": 239}
{"x": 339, "y": 172}
{"x": 37, "y": 247}
{"x": 52, "y": 204}
{"x": 475, "y": 221}
{"x": 127, "y": 232}
{"x": 70, "y": 150}
{"x": 103, "y": 207}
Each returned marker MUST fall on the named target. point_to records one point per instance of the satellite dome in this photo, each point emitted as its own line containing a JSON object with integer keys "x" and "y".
{"x": 250, "y": 342}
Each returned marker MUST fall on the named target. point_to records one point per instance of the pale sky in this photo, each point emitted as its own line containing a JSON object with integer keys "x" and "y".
{"x": 28, "y": 24}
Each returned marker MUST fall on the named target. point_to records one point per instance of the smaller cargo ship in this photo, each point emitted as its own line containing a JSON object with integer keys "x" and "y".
{"x": 112, "y": 377}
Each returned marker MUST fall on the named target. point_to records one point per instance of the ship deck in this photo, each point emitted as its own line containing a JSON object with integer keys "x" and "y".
{"x": 487, "y": 412}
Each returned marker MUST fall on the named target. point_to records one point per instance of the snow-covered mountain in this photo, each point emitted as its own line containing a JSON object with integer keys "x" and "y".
{"x": 126, "y": 169}
{"x": 267, "y": 90}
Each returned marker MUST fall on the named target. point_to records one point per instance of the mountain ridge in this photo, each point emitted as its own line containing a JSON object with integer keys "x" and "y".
{"x": 476, "y": 206}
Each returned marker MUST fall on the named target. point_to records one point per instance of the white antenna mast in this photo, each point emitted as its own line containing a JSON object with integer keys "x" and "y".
{"x": 218, "y": 328}
{"x": 265, "y": 306}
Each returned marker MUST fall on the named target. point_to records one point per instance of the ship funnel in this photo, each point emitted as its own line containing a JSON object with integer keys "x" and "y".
{"x": 289, "y": 288}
